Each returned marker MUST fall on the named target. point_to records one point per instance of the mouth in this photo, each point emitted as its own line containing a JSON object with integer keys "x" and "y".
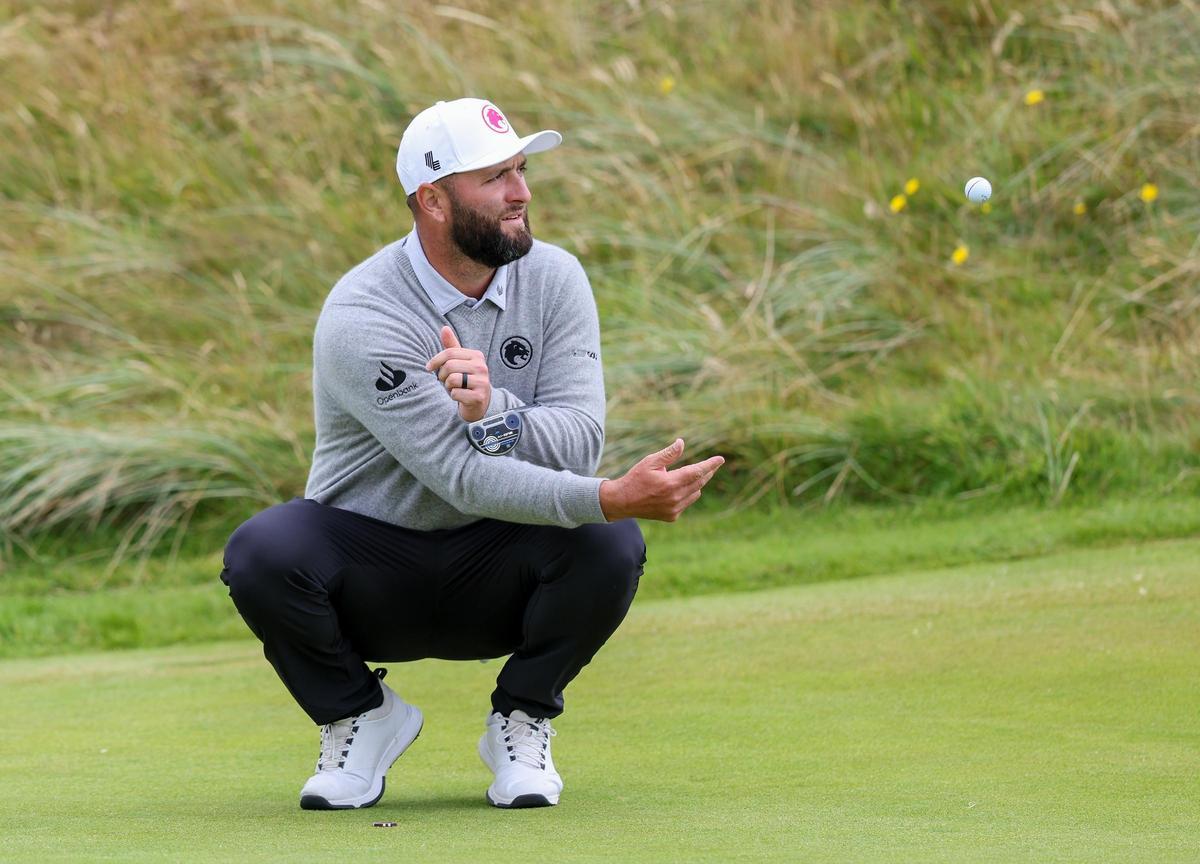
{"x": 514, "y": 217}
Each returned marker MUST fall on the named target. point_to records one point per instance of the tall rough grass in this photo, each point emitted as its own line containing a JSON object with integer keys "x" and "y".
{"x": 181, "y": 183}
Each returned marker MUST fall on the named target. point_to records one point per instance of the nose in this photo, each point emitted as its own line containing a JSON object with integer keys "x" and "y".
{"x": 518, "y": 189}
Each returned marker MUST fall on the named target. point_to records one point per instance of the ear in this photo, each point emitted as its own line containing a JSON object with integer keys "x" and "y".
{"x": 433, "y": 202}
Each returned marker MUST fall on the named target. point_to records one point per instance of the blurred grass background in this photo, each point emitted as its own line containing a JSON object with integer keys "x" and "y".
{"x": 767, "y": 197}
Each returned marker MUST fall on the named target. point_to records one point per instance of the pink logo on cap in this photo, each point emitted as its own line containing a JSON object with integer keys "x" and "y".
{"x": 494, "y": 119}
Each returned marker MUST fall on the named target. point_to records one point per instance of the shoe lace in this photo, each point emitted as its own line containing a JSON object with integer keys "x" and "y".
{"x": 528, "y": 741}
{"x": 336, "y": 739}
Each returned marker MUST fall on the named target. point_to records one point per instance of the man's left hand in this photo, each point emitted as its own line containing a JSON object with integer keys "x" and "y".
{"x": 451, "y": 365}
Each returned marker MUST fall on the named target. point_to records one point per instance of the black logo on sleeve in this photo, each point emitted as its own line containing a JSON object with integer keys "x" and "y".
{"x": 389, "y": 378}
{"x": 516, "y": 352}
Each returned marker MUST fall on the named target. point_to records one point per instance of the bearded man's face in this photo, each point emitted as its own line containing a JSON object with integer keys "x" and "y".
{"x": 492, "y": 237}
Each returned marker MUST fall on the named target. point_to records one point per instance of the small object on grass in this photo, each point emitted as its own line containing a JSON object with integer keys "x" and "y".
{"x": 384, "y": 824}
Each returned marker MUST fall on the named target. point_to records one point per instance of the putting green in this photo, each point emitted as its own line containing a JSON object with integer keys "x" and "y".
{"x": 1040, "y": 711}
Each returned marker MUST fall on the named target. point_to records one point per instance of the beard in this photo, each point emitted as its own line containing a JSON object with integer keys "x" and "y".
{"x": 481, "y": 237}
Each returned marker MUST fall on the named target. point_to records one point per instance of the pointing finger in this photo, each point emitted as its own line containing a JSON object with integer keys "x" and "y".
{"x": 702, "y": 472}
{"x": 711, "y": 466}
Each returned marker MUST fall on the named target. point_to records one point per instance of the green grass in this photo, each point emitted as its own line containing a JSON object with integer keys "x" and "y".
{"x": 1040, "y": 711}
{"x": 168, "y": 230}
{"x": 73, "y": 601}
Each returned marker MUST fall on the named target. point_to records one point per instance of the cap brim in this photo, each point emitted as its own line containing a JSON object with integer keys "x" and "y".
{"x": 538, "y": 142}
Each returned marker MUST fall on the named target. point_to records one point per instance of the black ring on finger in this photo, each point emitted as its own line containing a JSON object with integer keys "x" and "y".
{"x": 464, "y": 384}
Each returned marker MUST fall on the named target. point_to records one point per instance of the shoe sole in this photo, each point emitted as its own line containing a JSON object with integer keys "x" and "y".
{"x": 522, "y": 802}
{"x": 403, "y": 740}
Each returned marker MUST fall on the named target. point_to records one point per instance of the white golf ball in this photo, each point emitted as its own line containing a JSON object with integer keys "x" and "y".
{"x": 978, "y": 190}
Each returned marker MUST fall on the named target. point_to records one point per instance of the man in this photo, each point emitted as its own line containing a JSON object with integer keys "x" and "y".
{"x": 412, "y": 543}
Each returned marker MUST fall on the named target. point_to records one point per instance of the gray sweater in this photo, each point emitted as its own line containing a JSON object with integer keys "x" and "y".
{"x": 390, "y": 442}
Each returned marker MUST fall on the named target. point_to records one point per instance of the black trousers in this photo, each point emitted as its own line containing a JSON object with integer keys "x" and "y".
{"x": 327, "y": 589}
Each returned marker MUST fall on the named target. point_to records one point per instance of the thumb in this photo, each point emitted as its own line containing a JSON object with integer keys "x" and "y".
{"x": 667, "y": 455}
{"x": 449, "y": 340}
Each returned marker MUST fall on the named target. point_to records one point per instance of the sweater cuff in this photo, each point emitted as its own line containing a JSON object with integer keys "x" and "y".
{"x": 581, "y": 501}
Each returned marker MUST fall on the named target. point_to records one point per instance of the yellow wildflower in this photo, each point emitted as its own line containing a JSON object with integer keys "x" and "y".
{"x": 1079, "y": 209}
{"x": 1034, "y": 97}
{"x": 911, "y": 187}
{"x": 985, "y": 207}
{"x": 666, "y": 85}
{"x": 898, "y": 203}
{"x": 1149, "y": 192}
{"x": 960, "y": 254}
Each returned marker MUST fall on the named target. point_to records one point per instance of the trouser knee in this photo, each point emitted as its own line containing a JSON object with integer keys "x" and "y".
{"x": 263, "y": 561}
{"x": 610, "y": 558}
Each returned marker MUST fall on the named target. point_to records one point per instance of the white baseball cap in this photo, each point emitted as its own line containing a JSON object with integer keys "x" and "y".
{"x": 463, "y": 135}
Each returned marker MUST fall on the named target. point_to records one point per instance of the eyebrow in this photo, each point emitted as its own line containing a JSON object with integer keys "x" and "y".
{"x": 524, "y": 162}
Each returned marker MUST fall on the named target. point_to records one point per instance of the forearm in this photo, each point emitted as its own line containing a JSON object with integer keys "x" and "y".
{"x": 562, "y": 437}
{"x": 512, "y": 491}
{"x": 497, "y": 488}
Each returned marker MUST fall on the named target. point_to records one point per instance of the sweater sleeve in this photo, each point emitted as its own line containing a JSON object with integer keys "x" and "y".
{"x": 417, "y": 423}
{"x": 566, "y": 428}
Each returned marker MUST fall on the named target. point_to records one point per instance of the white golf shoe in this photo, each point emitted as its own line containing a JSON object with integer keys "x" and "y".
{"x": 357, "y": 752}
{"x": 517, "y": 749}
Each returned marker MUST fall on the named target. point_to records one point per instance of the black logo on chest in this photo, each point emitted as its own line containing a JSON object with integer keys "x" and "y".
{"x": 516, "y": 352}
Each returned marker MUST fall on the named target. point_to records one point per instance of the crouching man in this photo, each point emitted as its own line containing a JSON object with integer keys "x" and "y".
{"x": 415, "y": 541}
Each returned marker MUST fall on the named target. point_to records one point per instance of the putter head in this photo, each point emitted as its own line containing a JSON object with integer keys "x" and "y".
{"x": 496, "y": 435}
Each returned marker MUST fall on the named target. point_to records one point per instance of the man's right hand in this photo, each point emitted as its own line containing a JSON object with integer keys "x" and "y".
{"x": 650, "y": 491}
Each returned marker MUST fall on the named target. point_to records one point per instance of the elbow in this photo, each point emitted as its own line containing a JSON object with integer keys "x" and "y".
{"x": 592, "y": 450}
{"x": 459, "y": 490}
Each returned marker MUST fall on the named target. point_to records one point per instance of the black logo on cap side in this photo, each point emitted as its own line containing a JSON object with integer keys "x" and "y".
{"x": 516, "y": 352}
{"x": 434, "y": 164}
{"x": 389, "y": 378}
